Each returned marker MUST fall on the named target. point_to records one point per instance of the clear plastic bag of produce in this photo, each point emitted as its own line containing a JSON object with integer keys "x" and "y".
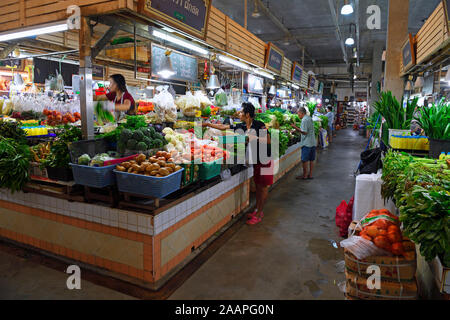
{"x": 221, "y": 98}
{"x": 362, "y": 248}
{"x": 191, "y": 106}
{"x": 204, "y": 101}
{"x": 163, "y": 101}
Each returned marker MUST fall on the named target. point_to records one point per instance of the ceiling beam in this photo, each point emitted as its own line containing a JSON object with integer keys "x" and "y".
{"x": 283, "y": 28}
{"x": 338, "y": 29}
{"x": 104, "y": 40}
{"x": 8, "y": 49}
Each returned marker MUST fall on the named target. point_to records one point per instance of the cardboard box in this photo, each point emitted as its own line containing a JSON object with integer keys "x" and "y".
{"x": 356, "y": 288}
{"x": 393, "y": 268}
{"x": 441, "y": 275}
{"x": 35, "y": 170}
{"x": 128, "y": 53}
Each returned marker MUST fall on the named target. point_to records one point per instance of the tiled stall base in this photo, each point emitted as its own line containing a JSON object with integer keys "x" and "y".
{"x": 128, "y": 220}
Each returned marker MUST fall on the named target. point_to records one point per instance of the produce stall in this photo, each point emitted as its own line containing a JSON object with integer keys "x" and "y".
{"x": 132, "y": 197}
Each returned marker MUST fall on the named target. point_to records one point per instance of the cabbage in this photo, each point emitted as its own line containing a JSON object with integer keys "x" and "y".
{"x": 84, "y": 160}
{"x": 168, "y": 131}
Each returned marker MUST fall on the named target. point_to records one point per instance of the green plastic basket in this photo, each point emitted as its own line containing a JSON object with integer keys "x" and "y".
{"x": 209, "y": 170}
{"x": 228, "y": 139}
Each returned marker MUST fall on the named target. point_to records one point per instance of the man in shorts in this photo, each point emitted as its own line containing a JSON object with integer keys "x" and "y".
{"x": 308, "y": 143}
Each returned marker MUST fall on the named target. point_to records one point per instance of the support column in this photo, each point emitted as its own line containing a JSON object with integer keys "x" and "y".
{"x": 86, "y": 98}
{"x": 396, "y": 35}
{"x": 377, "y": 69}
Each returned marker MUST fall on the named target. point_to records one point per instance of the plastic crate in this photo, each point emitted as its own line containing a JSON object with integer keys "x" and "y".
{"x": 209, "y": 170}
{"x": 91, "y": 147}
{"x": 148, "y": 186}
{"x": 397, "y": 132}
{"x": 228, "y": 139}
{"x": 95, "y": 177}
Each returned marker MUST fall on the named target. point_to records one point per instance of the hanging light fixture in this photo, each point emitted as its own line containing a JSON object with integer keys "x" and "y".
{"x": 447, "y": 77}
{"x": 408, "y": 86}
{"x": 256, "y": 13}
{"x": 213, "y": 82}
{"x": 258, "y": 85}
{"x": 347, "y": 8}
{"x": 419, "y": 82}
{"x": 166, "y": 70}
{"x": 272, "y": 90}
{"x": 350, "y": 41}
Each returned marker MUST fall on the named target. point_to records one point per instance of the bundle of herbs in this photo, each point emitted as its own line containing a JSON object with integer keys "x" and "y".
{"x": 419, "y": 188}
{"x": 435, "y": 120}
{"x": 59, "y": 156}
{"x": 396, "y": 116}
{"x": 15, "y": 160}
{"x": 311, "y": 107}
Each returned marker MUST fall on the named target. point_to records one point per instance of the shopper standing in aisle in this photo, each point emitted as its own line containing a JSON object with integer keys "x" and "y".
{"x": 257, "y": 134}
{"x": 330, "y": 116}
{"x": 308, "y": 143}
{"x": 118, "y": 93}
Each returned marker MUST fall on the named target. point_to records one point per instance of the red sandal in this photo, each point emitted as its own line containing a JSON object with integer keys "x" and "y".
{"x": 254, "y": 220}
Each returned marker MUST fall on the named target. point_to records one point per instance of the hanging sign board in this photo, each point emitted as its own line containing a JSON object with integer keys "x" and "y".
{"x": 274, "y": 58}
{"x": 297, "y": 72}
{"x": 312, "y": 82}
{"x": 408, "y": 53}
{"x": 17, "y": 63}
{"x": 98, "y": 71}
{"x": 185, "y": 66}
{"x": 190, "y": 16}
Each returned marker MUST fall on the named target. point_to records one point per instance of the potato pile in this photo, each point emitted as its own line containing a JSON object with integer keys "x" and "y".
{"x": 156, "y": 166}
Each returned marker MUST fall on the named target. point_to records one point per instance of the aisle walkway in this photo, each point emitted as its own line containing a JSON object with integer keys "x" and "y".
{"x": 291, "y": 255}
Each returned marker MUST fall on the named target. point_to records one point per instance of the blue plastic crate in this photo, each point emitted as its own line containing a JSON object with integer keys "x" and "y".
{"x": 147, "y": 185}
{"x": 95, "y": 177}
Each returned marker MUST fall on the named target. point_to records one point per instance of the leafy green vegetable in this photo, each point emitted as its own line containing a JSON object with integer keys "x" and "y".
{"x": 397, "y": 117}
{"x": 59, "y": 152}
{"x": 135, "y": 122}
{"x": 311, "y": 107}
{"x": 102, "y": 114}
{"x": 84, "y": 160}
{"x": 11, "y": 129}
{"x": 324, "y": 121}
{"x": 14, "y": 164}
{"x": 435, "y": 120}
{"x": 419, "y": 188}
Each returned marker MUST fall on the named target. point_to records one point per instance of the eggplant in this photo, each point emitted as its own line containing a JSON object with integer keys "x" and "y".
{"x": 158, "y": 127}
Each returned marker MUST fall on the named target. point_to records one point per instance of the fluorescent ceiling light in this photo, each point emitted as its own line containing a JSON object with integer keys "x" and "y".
{"x": 35, "y": 31}
{"x": 234, "y": 62}
{"x": 295, "y": 86}
{"x": 350, "y": 41}
{"x": 264, "y": 74}
{"x": 182, "y": 43}
{"x": 347, "y": 9}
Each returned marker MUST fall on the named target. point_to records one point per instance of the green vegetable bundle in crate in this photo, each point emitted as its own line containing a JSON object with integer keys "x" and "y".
{"x": 15, "y": 161}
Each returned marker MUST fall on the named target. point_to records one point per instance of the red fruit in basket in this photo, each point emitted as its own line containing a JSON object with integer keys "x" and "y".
{"x": 65, "y": 120}
{"x": 381, "y": 224}
{"x": 382, "y": 242}
{"x": 394, "y": 236}
{"x": 393, "y": 228}
{"x": 371, "y": 231}
{"x": 54, "y": 113}
{"x": 365, "y": 236}
{"x": 77, "y": 115}
{"x": 397, "y": 248}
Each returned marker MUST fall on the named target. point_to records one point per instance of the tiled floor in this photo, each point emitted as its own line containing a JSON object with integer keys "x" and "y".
{"x": 290, "y": 255}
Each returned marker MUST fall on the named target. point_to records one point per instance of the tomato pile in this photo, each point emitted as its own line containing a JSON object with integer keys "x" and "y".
{"x": 56, "y": 118}
{"x": 382, "y": 228}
